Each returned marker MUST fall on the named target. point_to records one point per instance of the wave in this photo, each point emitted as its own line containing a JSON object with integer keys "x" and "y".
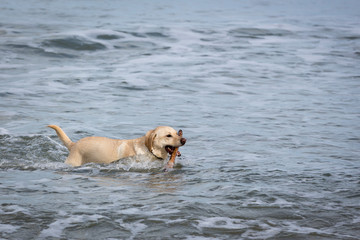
{"x": 30, "y": 50}
{"x": 156, "y": 34}
{"x": 97, "y": 40}
{"x": 74, "y": 43}
{"x": 143, "y": 41}
{"x": 258, "y": 32}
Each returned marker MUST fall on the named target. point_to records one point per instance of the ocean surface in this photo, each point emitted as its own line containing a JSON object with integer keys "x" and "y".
{"x": 267, "y": 94}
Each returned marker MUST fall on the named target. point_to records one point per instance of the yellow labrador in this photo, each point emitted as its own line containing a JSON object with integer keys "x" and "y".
{"x": 156, "y": 144}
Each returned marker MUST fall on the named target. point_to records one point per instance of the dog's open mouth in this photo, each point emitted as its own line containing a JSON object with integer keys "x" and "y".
{"x": 170, "y": 149}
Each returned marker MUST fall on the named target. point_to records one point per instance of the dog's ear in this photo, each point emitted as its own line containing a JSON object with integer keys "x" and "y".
{"x": 149, "y": 139}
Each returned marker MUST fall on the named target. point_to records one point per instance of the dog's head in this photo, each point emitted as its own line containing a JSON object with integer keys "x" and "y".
{"x": 163, "y": 140}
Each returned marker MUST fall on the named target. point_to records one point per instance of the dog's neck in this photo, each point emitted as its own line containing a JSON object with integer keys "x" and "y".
{"x": 150, "y": 149}
{"x": 160, "y": 158}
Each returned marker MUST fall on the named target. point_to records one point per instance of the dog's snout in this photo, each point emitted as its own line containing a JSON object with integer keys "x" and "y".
{"x": 183, "y": 141}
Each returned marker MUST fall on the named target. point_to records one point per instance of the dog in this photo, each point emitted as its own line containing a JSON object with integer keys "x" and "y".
{"x": 155, "y": 144}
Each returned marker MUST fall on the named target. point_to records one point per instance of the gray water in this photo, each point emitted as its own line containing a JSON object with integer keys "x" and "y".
{"x": 266, "y": 92}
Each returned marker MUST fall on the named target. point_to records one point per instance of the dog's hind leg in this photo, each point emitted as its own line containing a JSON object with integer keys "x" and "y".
{"x": 74, "y": 159}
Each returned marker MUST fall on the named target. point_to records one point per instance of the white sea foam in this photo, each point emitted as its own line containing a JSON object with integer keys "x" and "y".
{"x": 293, "y": 227}
{"x": 134, "y": 227}
{"x": 4, "y": 131}
{"x": 221, "y": 222}
{"x": 201, "y": 238}
{"x": 148, "y": 212}
{"x": 137, "y": 163}
{"x": 168, "y": 221}
{"x": 262, "y": 231}
{"x": 356, "y": 220}
{"x": 42, "y": 180}
{"x": 7, "y": 228}
{"x": 56, "y": 228}
{"x": 258, "y": 229}
{"x": 14, "y": 209}
{"x": 51, "y": 165}
{"x": 263, "y": 234}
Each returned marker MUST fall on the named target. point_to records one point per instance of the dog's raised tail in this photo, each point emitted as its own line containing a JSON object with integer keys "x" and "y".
{"x": 63, "y": 137}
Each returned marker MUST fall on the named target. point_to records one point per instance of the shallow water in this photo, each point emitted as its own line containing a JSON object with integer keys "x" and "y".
{"x": 266, "y": 92}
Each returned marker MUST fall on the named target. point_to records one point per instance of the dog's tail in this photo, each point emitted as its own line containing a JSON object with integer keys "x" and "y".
{"x": 63, "y": 137}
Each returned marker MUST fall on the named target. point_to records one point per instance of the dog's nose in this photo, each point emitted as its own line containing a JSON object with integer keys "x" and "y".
{"x": 183, "y": 141}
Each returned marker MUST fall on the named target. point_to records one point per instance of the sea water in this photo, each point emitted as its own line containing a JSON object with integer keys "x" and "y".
{"x": 266, "y": 92}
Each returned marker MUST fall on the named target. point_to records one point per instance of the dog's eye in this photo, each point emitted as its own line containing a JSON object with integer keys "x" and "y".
{"x": 169, "y": 135}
